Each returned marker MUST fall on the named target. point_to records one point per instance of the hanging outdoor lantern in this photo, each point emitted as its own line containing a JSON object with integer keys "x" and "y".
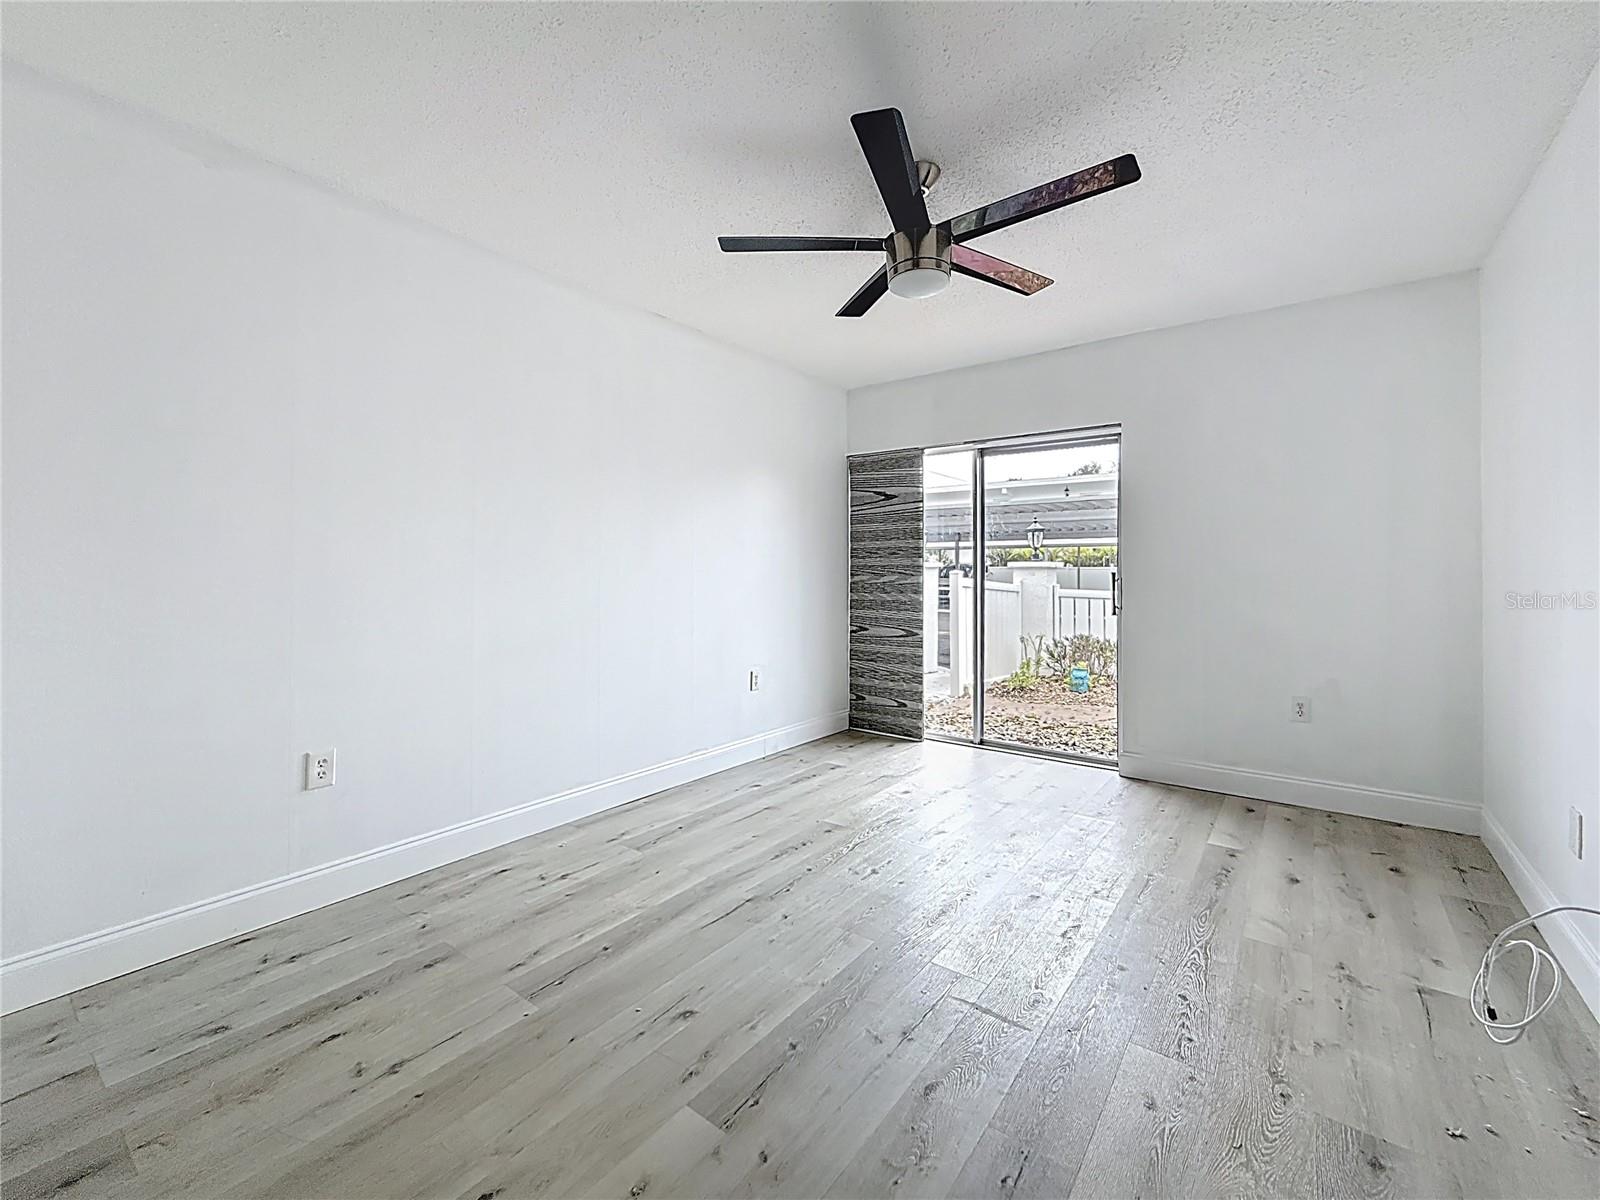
{"x": 1036, "y": 538}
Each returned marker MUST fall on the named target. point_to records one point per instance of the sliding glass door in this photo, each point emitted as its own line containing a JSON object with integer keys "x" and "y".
{"x": 949, "y": 557}
{"x": 1049, "y": 598}
{"x": 1022, "y": 594}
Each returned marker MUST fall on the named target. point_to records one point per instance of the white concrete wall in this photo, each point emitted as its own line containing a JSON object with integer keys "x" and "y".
{"x": 284, "y": 472}
{"x": 1541, "y": 533}
{"x": 1266, "y": 460}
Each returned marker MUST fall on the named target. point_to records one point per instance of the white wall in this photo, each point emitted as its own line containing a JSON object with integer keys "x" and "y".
{"x": 1269, "y": 460}
{"x": 283, "y": 472}
{"x": 1541, "y": 532}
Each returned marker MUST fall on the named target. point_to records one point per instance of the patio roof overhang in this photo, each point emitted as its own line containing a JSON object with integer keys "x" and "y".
{"x": 1085, "y": 514}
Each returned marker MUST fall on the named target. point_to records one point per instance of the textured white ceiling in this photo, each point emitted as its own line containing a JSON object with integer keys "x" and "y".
{"x": 1289, "y": 151}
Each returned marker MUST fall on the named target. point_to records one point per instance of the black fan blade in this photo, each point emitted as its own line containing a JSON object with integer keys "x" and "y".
{"x": 883, "y": 140}
{"x": 978, "y": 265}
{"x": 1047, "y": 197}
{"x": 742, "y": 245}
{"x": 869, "y": 294}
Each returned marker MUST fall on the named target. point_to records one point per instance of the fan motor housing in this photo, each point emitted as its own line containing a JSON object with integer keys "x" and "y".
{"x": 927, "y": 250}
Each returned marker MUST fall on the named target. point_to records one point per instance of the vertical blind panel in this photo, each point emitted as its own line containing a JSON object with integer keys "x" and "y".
{"x": 886, "y": 593}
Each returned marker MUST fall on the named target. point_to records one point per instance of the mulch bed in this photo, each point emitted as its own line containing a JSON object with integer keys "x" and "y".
{"x": 1047, "y": 714}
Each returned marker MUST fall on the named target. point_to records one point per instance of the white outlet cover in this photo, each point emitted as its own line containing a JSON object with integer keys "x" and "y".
{"x": 321, "y": 766}
{"x": 1300, "y": 708}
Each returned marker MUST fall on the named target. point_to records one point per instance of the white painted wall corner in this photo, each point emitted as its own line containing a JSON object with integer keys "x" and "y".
{"x": 1575, "y": 954}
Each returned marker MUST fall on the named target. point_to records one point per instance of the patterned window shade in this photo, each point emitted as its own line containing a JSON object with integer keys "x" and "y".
{"x": 886, "y": 593}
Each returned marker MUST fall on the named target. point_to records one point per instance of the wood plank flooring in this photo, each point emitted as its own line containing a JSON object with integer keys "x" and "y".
{"x": 863, "y": 968}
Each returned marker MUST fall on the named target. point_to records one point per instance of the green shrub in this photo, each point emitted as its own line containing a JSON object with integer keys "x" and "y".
{"x": 1053, "y": 658}
{"x": 1098, "y": 654}
{"x": 1068, "y": 556}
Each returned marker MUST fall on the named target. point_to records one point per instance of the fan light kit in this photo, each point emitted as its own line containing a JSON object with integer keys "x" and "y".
{"x": 921, "y": 255}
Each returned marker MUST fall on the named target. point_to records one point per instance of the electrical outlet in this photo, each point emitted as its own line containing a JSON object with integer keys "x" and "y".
{"x": 1575, "y": 832}
{"x": 1300, "y": 709}
{"x": 319, "y": 769}
{"x": 755, "y": 679}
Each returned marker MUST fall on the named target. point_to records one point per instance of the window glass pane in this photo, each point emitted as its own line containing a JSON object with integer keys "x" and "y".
{"x": 947, "y": 567}
{"x": 1050, "y": 632}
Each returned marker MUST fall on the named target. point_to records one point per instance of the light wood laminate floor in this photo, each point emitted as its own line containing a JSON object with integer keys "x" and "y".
{"x": 860, "y": 968}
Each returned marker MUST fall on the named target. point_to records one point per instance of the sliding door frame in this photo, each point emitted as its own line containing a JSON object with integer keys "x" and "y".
{"x": 980, "y": 550}
{"x": 1098, "y": 435}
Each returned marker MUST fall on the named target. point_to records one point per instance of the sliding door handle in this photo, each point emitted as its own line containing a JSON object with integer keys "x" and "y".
{"x": 1116, "y": 593}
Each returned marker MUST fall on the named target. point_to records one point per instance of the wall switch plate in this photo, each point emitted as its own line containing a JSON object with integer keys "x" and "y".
{"x": 1575, "y": 832}
{"x": 320, "y": 766}
{"x": 1300, "y": 708}
{"x": 755, "y": 679}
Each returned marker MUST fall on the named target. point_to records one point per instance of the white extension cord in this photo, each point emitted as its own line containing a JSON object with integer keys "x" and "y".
{"x": 1506, "y": 1032}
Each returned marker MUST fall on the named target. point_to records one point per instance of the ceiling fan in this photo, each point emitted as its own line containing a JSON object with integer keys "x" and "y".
{"x": 920, "y": 254}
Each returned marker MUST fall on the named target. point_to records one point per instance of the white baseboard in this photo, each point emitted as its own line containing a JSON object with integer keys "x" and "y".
{"x": 1405, "y": 808}
{"x": 44, "y": 974}
{"x": 1577, "y": 957}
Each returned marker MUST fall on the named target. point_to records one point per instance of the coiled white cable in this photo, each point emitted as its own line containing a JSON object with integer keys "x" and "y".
{"x": 1506, "y": 1032}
